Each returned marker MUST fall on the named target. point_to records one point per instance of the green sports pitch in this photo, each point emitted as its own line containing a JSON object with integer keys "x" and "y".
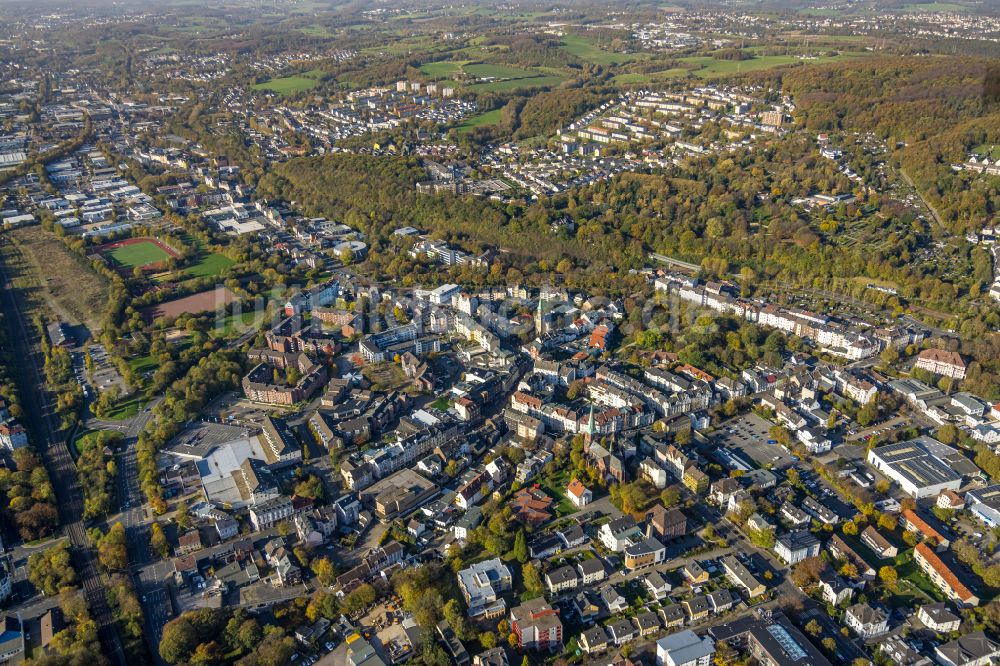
{"x": 140, "y": 254}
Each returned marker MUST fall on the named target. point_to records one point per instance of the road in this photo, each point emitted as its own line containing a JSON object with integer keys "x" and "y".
{"x": 62, "y": 472}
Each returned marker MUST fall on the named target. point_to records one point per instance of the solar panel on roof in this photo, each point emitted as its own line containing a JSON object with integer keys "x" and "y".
{"x": 787, "y": 643}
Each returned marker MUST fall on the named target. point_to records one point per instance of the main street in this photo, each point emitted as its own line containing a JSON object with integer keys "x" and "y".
{"x": 62, "y": 472}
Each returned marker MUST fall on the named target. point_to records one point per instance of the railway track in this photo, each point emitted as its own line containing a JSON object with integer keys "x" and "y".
{"x": 59, "y": 464}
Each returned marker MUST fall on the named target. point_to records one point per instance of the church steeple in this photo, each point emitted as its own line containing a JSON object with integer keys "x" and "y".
{"x": 590, "y": 425}
{"x": 539, "y": 315}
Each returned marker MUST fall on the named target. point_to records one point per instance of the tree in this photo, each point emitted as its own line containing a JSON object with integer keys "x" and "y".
{"x": 51, "y": 570}
{"x": 158, "y": 541}
{"x": 807, "y": 572}
{"x": 671, "y": 496}
{"x": 182, "y": 515}
{"x": 829, "y": 644}
{"x": 888, "y": 576}
{"x": 887, "y": 521}
{"x": 179, "y": 640}
{"x": 725, "y": 654}
{"x": 793, "y": 476}
{"x": 850, "y": 528}
{"x": 325, "y": 573}
{"x": 112, "y": 551}
{"x": 532, "y": 579}
{"x": 359, "y": 599}
{"x": 521, "y": 547}
{"x": 812, "y": 628}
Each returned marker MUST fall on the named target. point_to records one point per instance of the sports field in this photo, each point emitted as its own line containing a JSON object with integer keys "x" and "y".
{"x": 132, "y": 253}
{"x": 206, "y": 301}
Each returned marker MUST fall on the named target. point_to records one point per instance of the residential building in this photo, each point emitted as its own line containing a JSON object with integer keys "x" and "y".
{"x": 941, "y": 362}
{"x": 867, "y": 622}
{"x": 937, "y": 617}
{"x": 739, "y": 575}
{"x": 578, "y": 494}
{"x": 793, "y": 547}
{"x": 770, "y": 638}
{"x": 684, "y": 648}
{"x": 657, "y": 585}
{"x": 834, "y": 589}
{"x": 591, "y": 570}
{"x": 563, "y": 578}
{"x": 972, "y": 649}
{"x": 878, "y": 543}
{"x": 942, "y": 576}
{"x": 621, "y": 631}
{"x": 537, "y": 626}
{"x": 914, "y": 522}
{"x": 482, "y": 584}
{"x": 594, "y": 640}
{"x": 620, "y": 533}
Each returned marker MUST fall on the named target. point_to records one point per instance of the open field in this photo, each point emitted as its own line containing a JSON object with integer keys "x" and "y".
{"x": 289, "y": 85}
{"x": 443, "y": 68}
{"x": 83, "y": 440}
{"x": 985, "y": 150}
{"x": 143, "y": 364}
{"x": 206, "y": 301}
{"x": 136, "y": 253}
{"x": 919, "y": 7}
{"x": 229, "y": 324}
{"x": 315, "y": 31}
{"x": 708, "y": 67}
{"x": 47, "y": 275}
{"x": 584, "y": 48}
{"x": 125, "y": 408}
{"x": 677, "y": 72}
{"x": 483, "y": 70}
{"x": 514, "y": 84}
{"x": 488, "y": 118}
{"x": 209, "y": 265}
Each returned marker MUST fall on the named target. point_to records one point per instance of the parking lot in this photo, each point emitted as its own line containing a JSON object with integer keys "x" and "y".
{"x": 105, "y": 374}
{"x": 749, "y": 434}
{"x": 235, "y": 409}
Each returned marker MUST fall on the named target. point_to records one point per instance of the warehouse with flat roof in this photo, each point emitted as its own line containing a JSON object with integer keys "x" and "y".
{"x": 923, "y": 467}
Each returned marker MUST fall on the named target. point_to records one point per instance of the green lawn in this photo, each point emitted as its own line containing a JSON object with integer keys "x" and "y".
{"x": 138, "y": 254}
{"x": 125, "y": 409}
{"x": 484, "y": 70}
{"x": 555, "y": 487}
{"x": 142, "y": 364}
{"x": 208, "y": 266}
{"x": 288, "y": 85}
{"x": 488, "y": 118}
{"x": 585, "y": 49}
{"x": 82, "y": 440}
{"x": 514, "y": 84}
{"x": 708, "y": 67}
{"x": 230, "y": 323}
{"x": 443, "y": 68}
{"x": 677, "y": 72}
{"x": 316, "y": 31}
{"x": 919, "y": 7}
{"x": 441, "y": 404}
{"x": 987, "y": 150}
